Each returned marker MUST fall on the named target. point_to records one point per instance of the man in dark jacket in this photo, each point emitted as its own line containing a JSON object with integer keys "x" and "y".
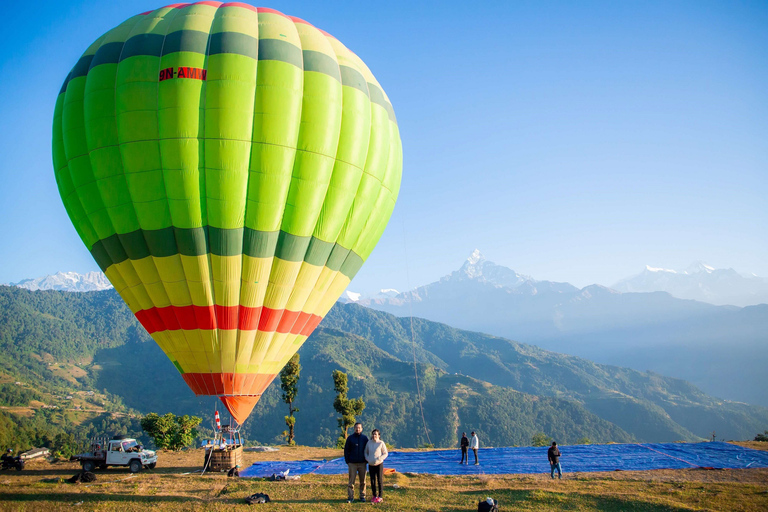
{"x": 464, "y": 448}
{"x": 553, "y": 454}
{"x": 354, "y": 456}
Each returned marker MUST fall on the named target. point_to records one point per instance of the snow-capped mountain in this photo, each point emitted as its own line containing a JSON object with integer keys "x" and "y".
{"x": 68, "y": 282}
{"x": 476, "y": 273}
{"x": 722, "y": 349}
{"x": 350, "y": 296}
{"x": 700, "y": 282}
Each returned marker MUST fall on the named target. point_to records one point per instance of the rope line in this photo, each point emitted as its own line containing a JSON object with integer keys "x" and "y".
{"x": 670, "y": 456}
{"x": 413, "y": 338}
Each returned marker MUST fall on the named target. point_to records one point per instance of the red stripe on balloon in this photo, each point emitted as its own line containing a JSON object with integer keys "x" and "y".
{"x": 240, "y": 4}
{"x": 299, "y": 20}
{"x": 174, "y": 318}
{"x": 271, "y": 11}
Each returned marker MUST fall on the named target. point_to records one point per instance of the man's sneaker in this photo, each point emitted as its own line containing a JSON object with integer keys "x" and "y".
{"x": 350, "y": 501}
{"x": 477, "y": 463}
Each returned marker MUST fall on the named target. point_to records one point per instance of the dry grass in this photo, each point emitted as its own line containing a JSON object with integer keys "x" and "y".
{"x": 176, "y": 484}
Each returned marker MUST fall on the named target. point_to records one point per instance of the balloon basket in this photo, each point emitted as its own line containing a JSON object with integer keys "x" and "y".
{"x": 226, "y": 451}
{"x": 223, "y": 460}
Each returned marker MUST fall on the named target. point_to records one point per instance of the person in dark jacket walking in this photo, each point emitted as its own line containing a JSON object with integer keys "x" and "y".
{"x": 464, "y": 448}
{"x": 553, "y": 454}
{"x": 354, "y": 456}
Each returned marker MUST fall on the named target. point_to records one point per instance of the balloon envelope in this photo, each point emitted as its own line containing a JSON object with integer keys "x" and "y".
{"x": 230, "y": 169}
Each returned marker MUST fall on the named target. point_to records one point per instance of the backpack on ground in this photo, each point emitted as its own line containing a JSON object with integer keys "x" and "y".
{"x": 488, "y": 505}
{"x": 259, "y": 497}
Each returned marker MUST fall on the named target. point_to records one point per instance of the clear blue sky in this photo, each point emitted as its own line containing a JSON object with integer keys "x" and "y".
{"x": 571, "y": 141}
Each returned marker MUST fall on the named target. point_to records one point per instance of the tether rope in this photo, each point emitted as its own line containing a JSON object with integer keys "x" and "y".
{"x": 413, "y": 337}
{"x": 670, "y": 456}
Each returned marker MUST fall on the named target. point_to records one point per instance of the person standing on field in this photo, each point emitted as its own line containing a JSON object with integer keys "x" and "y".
{"x": 553, "y": 454}
{"x": 354, "y": 456}
{"x": 464, "y": 447}
{"x": 375, "y": 453}
{"x": 474, "y": 443}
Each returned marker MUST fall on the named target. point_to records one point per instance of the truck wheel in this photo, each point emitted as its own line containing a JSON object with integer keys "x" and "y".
{"x": 152, "y": 466}
{"x": 135, "y": 466}
{"x": 88, "y": 466}
{"x": 19, "y": 466}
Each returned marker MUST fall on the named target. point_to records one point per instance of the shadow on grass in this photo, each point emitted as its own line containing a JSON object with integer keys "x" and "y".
{"x": 111, "y": 472}
{"x": 101, "y": 498}
{"x": 513, "y": 499}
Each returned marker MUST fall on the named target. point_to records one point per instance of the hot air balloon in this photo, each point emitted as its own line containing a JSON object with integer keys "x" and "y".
{"x": 230, "y": 168}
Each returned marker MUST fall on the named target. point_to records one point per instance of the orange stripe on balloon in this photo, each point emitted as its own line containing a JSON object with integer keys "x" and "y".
{"x": 188, "y": 318}
{"x": 228, "y": 383}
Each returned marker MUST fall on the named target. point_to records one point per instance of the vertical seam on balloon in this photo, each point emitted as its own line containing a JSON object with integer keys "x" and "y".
{"x": 117, "y": 269}
{"x": 328, "y": 191}
{"x": 267, "y": 342}
{"x": 204, "y": 198}
{"x": 127, "y": 290}
{"x": 318, "y": 311}
{"x": 198, "y": 330}
{"x": 370, "y": 224}
{"x": 117, "y": 128}
{"x": 238, "y": 347}
{"x": 84, "y": 220}
{"x": 279, "y": 351}
{"x": 204, "y": 224}
{"x": 174, "y": 310}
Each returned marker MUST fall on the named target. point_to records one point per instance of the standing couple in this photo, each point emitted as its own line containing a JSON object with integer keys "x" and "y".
{"x": 358, "y": 451}
{"x": 474, "y": 443}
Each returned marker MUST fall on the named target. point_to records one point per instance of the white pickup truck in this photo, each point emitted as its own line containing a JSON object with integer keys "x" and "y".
{"x": 118, "y": 451}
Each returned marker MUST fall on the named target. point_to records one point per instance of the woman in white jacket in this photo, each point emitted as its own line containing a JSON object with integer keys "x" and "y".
{"x": 375, "y": 453}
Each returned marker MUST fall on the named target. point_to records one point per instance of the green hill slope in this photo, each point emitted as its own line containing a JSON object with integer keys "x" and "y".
{"x": 68, "y": 343}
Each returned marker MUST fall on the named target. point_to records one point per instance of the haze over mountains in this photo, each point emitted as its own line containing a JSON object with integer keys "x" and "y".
{"x": 700, "y": 282}
{"x": 722, "y": 349}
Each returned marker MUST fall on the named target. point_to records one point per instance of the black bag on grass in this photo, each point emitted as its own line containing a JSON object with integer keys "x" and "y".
{"x": 489, "y": 505}
{"x": 259, "y": 497}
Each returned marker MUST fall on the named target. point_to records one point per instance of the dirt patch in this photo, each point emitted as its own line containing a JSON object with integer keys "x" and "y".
{"x": 19, "y": 411}
{"x": 755, "y": 445}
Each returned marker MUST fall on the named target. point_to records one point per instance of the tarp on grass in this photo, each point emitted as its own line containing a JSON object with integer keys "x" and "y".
{"x": 580, "y": 458}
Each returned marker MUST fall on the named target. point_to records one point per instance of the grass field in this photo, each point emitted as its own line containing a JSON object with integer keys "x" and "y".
{"x": 176, "y": 484}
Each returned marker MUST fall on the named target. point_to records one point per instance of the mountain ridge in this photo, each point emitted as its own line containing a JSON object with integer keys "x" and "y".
{"x": 678, "y": 337}
{"x": 505, "y": 389}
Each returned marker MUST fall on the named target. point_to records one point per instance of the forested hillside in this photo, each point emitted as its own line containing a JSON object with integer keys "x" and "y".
{"x": 78, "y": 343}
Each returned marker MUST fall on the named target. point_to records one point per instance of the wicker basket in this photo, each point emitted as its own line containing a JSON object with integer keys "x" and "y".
{"x": 224, "y": 460}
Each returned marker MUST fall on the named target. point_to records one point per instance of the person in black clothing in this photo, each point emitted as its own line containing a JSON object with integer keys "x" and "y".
{"x": 464, "y": 448}
{"x": 354, "y": 456}
{"x": 553, "y": 454}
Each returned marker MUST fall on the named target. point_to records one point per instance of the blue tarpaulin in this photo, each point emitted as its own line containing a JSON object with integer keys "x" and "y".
{"x": 580, "y": 458}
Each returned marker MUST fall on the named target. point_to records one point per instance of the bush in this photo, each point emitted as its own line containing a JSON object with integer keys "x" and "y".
{"x": 762, "y": 437}
{"x": 541, "y": 439}
{"x": 170, "y": 431}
